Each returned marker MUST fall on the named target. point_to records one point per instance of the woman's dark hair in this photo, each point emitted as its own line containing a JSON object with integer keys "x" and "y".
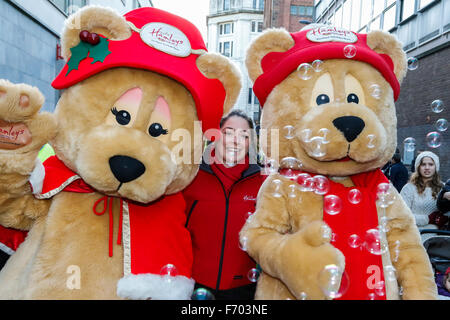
{"x": 237, "y": 113}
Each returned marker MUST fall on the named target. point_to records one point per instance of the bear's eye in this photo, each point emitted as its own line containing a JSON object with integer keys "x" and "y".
{"x": 122, "y": 117}
{"x": 321, "y": 99}
{"x": 352, "y": 98}
{"x": 156, "y": 130}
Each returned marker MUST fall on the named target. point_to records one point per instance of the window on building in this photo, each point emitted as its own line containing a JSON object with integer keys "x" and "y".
{"x": 408, "y": 8}
{"x": 378, "y": 7}
{"x": 424, "y": 3}
{"x": 429, "y": 24}
{"x": 346, "y": 14}
{"x": 356, "y": 14}
{"x": 257, "y": 26}
{"x": 375, "y": 24}
{"x": 226, "y": 48}
{"x": 366, "y": 9}
{"x": 226, "y": 28}
{"x": 68, "y": 6}
{"x": 338, "y": 19}
{"x": 258, "y": 4}
{"x": 301, "y": 10}
{"x": 226, "y": 4}
{"x": 250, "y": 95}
{"x": 389, "y": 18}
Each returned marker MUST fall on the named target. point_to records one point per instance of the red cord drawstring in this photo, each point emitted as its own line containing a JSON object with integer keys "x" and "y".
{"x": 104, "y": 199}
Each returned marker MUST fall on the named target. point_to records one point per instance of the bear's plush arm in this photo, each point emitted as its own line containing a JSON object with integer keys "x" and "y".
{"x": 19, "y": 106}
{"x": 296, "y": 258}
{"x": 414, "y": 272}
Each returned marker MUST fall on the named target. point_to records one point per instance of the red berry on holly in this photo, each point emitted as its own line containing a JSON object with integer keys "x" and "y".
{"x": 84, "y": 35}
{"x": 94, "y": 39}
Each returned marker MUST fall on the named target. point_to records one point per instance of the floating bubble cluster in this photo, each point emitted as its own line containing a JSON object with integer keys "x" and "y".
{"x": 385, "y": 195}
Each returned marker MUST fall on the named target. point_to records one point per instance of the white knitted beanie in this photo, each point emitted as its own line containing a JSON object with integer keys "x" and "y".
{"x": 429, "y": 154}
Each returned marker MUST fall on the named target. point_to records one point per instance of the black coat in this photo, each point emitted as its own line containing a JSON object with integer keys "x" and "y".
{"x": 398, "y": 174}
{"x": 443, "y": 204}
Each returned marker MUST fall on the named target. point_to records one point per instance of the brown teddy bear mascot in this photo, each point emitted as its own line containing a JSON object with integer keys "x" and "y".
{"x": 328, "y": 225}
{"x": 105, "y": 215}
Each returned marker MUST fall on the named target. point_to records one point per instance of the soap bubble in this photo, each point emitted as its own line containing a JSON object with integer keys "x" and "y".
{"x": 442, "y": 125}
{"x": 334, "y": 237}
{"x": 350, "y": 51}
{"x": 324, "y": 132}
{"x": 317, "y": 65}
{"x": 276, "y": 185}
{"x": 305, "y": 71}
{"x": 372, "y": 242}
{"x": 321, "y": 185}
{"x": 290, "y": 167}
{"x": 305, "y": 135}
{"x": 396, "y": 250}
{"x": 371, "y": 138}
{"x": 326, "y": 232}
{"x": 318, "y": 147}
{"x": 413, "y": 63}
{"x": 384, "y": 226}
{"x": 437, "y": 106}
{"x": 332, "y": 204}
{"x": 380, "y": 289}
{"x": 243, "y": 241}
{"x": 354, "y": 241}
{"x": 303, "y": 296}
{"x": 169, "y": 270}
{"x": 202, "y": 294}
{"x": 409, "y": 144}
{"x": 289, "y": 130}
{"x": 434, "y": 139}
{"x": 371, "y": 296}
{"x": 389, "y": 273}
{"x": 375, "y": 91}
{"x": 253, "y": 275}
{"x": 292, "y": 189}
{"x": 306, "y": 182}
{"x": 354, "y": 196}
{"x": 385, "y": 195}
{"x": 333, "y": 281}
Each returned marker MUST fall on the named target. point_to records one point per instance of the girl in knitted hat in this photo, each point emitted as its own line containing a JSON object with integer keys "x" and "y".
{"x": 421, "y": 192}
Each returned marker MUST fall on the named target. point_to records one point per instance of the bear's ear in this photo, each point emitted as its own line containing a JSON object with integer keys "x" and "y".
{"x": 101, "y": 20}
{"x": 383, "y": 42}
{"x": 271, "y": 40}
{"x": 216, "y": 66}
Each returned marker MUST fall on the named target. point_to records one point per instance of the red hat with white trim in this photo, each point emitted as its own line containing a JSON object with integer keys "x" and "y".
{"x": 321, "y": 42}
{"x": 161, "y": 42}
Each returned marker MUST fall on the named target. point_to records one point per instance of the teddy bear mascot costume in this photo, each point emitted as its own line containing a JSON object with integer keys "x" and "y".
{"x": 328, "y": 225}
{"x": 104, "y": 216}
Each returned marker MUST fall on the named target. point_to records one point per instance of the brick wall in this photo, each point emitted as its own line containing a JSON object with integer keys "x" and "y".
{"x": 27, "y": 52}
{"x": 430, "y": 81}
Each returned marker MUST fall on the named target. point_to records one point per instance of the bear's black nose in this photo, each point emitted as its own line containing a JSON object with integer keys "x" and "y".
{"x": 126, "y": 169}
{"x": 350, "y": 126}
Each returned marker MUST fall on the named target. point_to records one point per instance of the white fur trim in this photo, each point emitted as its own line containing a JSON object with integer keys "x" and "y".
{"x": 37, "y": 177}
{"x": 155, "y": 287}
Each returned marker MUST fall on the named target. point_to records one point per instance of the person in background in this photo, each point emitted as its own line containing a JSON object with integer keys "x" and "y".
{"x": 218, "y": 202}
{"x": 421, "y": 192}
{"x": 398, "y": 174}
{"x": 443, "y": 201}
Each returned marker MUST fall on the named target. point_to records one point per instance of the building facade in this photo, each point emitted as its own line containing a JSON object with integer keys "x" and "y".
{"x": 289, "y": 14}
{"x": 232, "y": 25}
{"x": 423, "y": 28}
{"x": 29, "y": 39}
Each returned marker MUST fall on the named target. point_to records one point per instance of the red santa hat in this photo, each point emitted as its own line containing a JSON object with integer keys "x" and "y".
{"x": 321, "y": 42}
{"x": 160, "y": 42}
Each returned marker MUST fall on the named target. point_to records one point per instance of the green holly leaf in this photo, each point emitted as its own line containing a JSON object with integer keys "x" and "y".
{"x": 100, "y": 51}
{"x": 79, "y": 53}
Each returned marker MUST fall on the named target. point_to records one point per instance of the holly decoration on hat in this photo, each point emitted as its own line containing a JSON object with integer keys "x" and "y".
{"x": 91, "y": 45}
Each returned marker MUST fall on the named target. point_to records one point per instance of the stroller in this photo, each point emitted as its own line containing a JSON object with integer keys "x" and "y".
{"x": 438, "y": 249}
